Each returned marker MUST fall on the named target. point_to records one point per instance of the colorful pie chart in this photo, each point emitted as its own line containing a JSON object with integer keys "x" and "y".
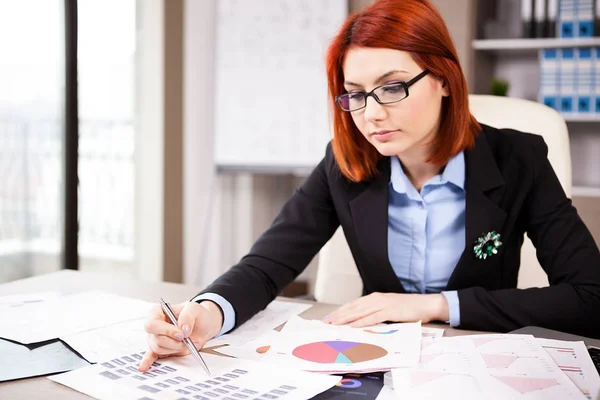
{"x": 339, "y": 352}
{"x": 382, "y": 332}
{"x": 349, "y": 383}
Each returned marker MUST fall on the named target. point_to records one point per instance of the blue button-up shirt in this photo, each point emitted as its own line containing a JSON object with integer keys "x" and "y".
{"x": 426, "y": 230}
{"x": 426, "y": 235}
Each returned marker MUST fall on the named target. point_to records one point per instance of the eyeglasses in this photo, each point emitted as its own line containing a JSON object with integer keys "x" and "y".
{"x": 385, "y": 94}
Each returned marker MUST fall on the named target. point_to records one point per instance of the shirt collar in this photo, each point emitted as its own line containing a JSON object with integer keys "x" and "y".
{"x": 453, "y": 173}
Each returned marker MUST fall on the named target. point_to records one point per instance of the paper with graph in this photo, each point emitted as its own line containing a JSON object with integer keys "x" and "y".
{"x": 66, "y": 315}
{"x": 276, "y": 313}
{"x": 574, "y": 360}
{"x": 319, "y": 347}
{"x": 182, "y": 377}
{"x": 485, "y": 366}
{"x": 431, "y": 333}
{"x": 20, "y": 300}
{"x": 254, "y": 349}
{"x": 108, "y": 341}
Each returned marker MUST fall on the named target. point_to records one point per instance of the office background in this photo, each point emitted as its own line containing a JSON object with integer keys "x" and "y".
{"x": 151, "y": 201}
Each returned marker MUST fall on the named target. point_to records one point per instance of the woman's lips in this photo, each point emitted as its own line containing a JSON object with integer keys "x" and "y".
{"x": 383, "y": 136}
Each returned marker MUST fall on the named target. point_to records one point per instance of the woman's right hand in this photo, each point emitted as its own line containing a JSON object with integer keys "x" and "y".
{"x": 200, "y": 322}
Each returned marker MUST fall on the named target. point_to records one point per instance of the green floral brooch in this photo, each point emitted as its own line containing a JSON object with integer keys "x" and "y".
{"x": 487, "y": 245}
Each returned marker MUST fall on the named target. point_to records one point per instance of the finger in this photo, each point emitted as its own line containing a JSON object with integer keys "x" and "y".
{"x": 160, "y": 327}
{"x": 187, "y": 317}
{"x": 342, "y": 310}
{"x": 177, "y": 308}
{"x": 355, "y": 306}
{"x": 147, "y": 361}
{"x": 352, "y": 317}
{"x": 357, "y": 312}
{"x": 369, "y": 320}
{"x": 163, "y": 351}
{"x": 167, "y": 343}
{"x": 156, "y": 312}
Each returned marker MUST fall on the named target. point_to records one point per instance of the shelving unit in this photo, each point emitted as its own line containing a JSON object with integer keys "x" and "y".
{"x": 583, "y": 191}
{"x": 582, "y": 118}
{"x": 531, "y": 45}
{"x": 516, "y": 60}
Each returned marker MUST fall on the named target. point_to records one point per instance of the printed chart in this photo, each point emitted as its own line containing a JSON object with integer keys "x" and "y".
{"x": 364, "y": 386}
{"x": 318, "y": 347}
{"x": 459, "y": 361}
{"x": 525, "y": 384}
{"x": 384, "y": 332}
{"x": 350, "y": 383}
{"x": 182, "y": 377}
{"x": 429, "y": 384}
{"x": 254, "y": 349}
{"x": 263, "y": 349}
{"x": 339, "y": 351}
{"x": 485, "y": 366}
{"x": 574, "y": 360}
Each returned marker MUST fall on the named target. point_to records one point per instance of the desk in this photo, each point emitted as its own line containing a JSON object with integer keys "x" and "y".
{"x": 69, "y": 282}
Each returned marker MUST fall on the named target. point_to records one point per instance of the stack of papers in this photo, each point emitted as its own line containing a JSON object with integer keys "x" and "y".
{"x": 276, "y": 314}
{"x": 485, "y": 366}
{"x": 182, "y": 377}
{"x": 292, "y": 362}
{"x": 109, "y": 341}
{"x": 66, "y": 315}
{"x": 574, "y": 360}
{"x": 319, "y": 347}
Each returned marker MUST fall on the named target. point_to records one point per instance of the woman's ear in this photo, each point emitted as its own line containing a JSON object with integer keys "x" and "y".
{"x": 445, "y": 89}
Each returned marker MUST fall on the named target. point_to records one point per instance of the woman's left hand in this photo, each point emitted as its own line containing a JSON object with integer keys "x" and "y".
{"x": 395, "y": 307}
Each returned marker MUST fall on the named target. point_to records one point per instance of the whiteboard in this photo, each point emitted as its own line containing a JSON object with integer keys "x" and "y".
{"x": 271, "y": 107}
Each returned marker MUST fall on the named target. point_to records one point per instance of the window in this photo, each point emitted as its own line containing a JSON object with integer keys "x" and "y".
{"x": 31, "y": 136}
{"x": 106, "y": 57}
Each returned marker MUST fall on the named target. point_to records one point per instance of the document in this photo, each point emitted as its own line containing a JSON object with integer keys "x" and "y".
{"x": 25, "y": 299}
{"x": 485, "y": 366}
{"x": 276, "y": 313}
{"x": 254, "y": 349}
{"x": 319, "y": 347}
{"x": 355, "y": 386}
{"x": 183, "y": 378}
{"x": 18, "y": 361}
{"x": 109, "y": 341}
{"x": 575, "y": 361}
{"x": 65, "y": 315}
{"x": 431, "y": 333}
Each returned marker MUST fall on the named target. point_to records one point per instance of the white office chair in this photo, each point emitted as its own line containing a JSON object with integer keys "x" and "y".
{"x": 337, "y": 279}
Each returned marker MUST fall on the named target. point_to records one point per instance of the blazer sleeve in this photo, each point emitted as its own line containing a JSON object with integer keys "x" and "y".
{"x": 303, "y": 226}
{"x": 566, "y": 251}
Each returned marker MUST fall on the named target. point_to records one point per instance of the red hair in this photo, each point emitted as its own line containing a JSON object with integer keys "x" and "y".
{"x": 414, "y": 26}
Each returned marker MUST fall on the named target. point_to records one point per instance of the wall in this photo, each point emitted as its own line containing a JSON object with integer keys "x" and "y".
{"x": 159, "y": 141}
{"x": 224, "y": 215}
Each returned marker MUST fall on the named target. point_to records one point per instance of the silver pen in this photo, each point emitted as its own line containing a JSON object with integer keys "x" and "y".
{"x": 187, "y": 341}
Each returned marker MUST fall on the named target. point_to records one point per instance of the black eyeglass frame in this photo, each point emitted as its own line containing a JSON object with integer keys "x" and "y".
{"x": 372, "y": 94}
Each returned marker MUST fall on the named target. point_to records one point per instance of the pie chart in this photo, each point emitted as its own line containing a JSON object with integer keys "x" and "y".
{"x": 349, "y": 383}
{"x": 339, "y": 352}
{"x": 263, "y": 349}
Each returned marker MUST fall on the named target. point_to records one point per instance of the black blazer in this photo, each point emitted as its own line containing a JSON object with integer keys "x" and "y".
{"x": 510, "y": 188}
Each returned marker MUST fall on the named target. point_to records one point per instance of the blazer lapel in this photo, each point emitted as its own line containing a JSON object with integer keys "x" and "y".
{"x": 369, "y": 212}
{"x": 484, "y": 190}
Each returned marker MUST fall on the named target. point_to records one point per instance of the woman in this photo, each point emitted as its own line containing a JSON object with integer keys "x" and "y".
{"x": 434, "y": 205}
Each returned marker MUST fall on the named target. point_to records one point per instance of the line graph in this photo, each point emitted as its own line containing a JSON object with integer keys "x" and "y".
{"x": 526, "y": 385}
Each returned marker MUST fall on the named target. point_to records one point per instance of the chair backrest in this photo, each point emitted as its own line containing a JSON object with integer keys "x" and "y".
{"x": 337, "y": 279}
